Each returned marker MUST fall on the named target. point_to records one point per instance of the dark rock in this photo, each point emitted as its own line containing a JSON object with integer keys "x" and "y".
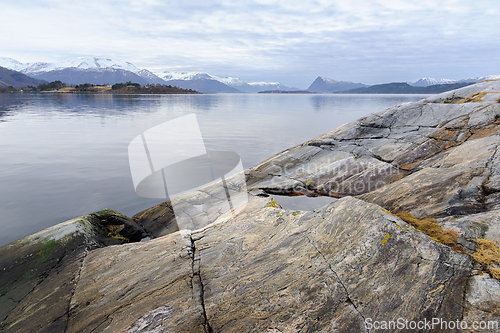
{"x": 38, "y": 273}
{"x": 158, "y": 220}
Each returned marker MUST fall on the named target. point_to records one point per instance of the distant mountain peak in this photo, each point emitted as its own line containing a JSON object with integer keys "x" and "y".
{"x": 325, "y": 79}
{"x": 184, "y": 75}
{"x": 11, "y": 64}
{"x": 324, "y": 84}
{"x": 429, "y": 81}
{"x": 83, "y": 63}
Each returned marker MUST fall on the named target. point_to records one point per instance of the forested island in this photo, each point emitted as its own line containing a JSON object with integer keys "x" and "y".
{"x": 118, "y": 88}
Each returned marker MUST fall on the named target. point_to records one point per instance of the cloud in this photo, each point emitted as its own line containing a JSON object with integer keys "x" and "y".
{"x": 366, "y": 40}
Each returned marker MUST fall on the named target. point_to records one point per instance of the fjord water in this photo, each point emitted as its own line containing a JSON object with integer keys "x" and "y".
{"x": 65, "y": 155}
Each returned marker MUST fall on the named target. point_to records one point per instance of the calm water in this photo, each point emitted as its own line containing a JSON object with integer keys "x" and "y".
{"x": 63, "y": 156}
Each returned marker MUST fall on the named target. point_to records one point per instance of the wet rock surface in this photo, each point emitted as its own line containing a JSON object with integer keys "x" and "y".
{"x": 271, "y": 269}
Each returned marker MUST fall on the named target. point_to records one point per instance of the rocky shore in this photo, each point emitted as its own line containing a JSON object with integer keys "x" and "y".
{"x": 411, "y": 236}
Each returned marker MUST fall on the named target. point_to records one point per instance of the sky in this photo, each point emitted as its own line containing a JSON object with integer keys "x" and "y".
{"x": 288, "y": 41}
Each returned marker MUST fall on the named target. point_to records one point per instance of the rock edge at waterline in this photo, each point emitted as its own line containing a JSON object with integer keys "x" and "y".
{"x": 270, "y": 269}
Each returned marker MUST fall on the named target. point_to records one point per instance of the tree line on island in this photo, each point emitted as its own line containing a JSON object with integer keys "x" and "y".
{"x": 127, "y": 88}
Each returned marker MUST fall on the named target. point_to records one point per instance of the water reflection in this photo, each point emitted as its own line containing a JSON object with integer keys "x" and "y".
{"x": 64, "y": 155}
{"x": 302, "y": 202}
{"x": 10, "y": 103}
{"x": 108, "y": 104}
{"x": 342, "y": 103}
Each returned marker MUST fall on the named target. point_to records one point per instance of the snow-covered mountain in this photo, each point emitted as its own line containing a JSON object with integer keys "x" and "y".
{"x": 12, "y": 64}
{"x": 234, "y": 84}
{"x": 429, "y": 81}
{"x": 479, "y": 79}
{"x": 324, "y": 84}
{"x": 167, "y": 76}
{"x": 84, "y": 70}
{"x": 231, "y": 82}
{"x": 198, "y": 81}
{"x": 261, "y": 86}
{"x": 203, "y": 85}
{"x": 105, "y": 70}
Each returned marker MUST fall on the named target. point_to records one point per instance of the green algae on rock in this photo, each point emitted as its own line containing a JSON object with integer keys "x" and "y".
{"x": 39, "y": 272}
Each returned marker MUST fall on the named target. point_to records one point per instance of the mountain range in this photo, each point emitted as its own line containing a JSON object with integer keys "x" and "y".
{"x": 107, "y": 71}
{"x": 182, "y": 79}
{"x": 405, "y": 88}
{"x": 327, "y": 85}
{"x": 429, "y": 81}
{"x": 84, "y": 70}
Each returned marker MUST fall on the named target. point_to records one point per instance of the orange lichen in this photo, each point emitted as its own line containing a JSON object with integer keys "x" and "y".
{"x": 477, "y": 97}
{"x": 485, "y": 131}
{"x": 429, "y": 227}
{"x": 458, "y": 248}
{"x": 486, "y": 252}
{"x": 495, "y": 272}
{"x": 444, "y": 135}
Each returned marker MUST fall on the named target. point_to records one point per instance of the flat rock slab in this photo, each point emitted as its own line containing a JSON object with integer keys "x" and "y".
{"x": 273, "y": 270}
{"x": 139, "y": 287}
{"x": 328, "y": 271}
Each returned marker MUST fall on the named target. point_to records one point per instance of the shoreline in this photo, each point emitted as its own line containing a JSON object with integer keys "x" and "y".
{"x": 435, "y": 160}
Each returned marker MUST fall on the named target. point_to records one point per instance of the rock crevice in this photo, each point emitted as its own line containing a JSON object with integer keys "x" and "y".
{"x": 197, "y": 281}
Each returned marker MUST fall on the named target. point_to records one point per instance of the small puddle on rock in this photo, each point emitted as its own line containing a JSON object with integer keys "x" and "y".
{"x": 302, "y": 202}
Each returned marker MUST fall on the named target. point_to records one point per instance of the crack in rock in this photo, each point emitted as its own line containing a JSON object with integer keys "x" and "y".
{"x": 196, "y": 274}
{"x": 349, "y": 299}
{"x": 76, "y": 279}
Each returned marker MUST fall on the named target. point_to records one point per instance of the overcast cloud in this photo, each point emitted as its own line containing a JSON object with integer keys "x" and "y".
{"x": 288, "y": 41}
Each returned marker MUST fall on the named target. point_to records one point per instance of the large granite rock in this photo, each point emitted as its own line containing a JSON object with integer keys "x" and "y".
{"x": 38, "y": 273}
{"x": 270, "y": 269}
{"x": 434, "y": 158}
{"x": 273, "y": 269}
